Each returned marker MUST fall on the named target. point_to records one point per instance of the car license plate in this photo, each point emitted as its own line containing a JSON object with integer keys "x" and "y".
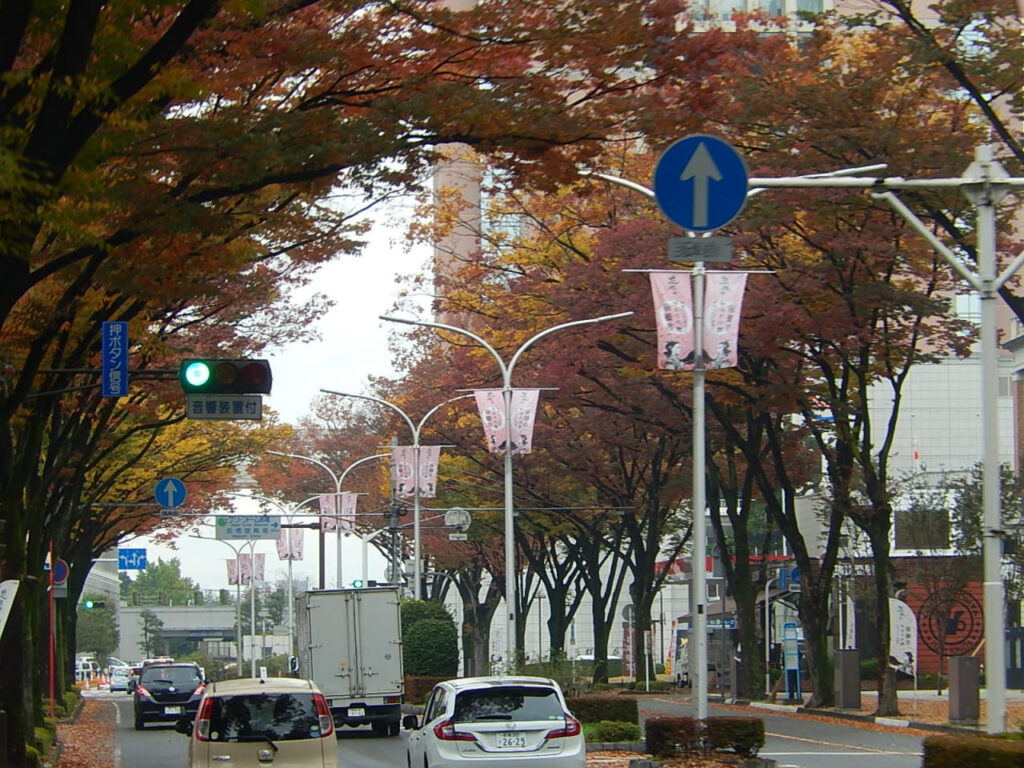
{"x": 172, "y": 710}
{"x": 356, "y": 711}
{"x": 508, "y": 740}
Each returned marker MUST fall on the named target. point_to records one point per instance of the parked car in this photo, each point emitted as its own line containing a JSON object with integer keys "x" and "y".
{"x": 167, "y": 692}
{"x": 119, "y": 677}
{"x": 476, "y": 722}
{"x": 253, "y": 723}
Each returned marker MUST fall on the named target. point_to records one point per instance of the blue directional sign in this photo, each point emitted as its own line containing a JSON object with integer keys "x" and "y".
{"x": 131, "y": 559}
{"x": 114, "y": 359}
{"x": 170, "y": 492}
{"x": 700, "y": 183}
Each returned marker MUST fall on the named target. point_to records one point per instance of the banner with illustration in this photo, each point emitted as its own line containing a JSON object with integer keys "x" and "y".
{"x": 491, "y": 404}
{"x": 289, "y": 544}
{"x": 328, "y": 512}
{"x": 347, "y": 512}
{"x": 902, "y": 637}
{"x": 674, "y": 318}
{"x": 430, "y": 455}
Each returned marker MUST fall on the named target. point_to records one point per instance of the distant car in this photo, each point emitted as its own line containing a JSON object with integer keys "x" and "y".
{"x": 476, "y": 722}
{"x": 119, "y": 677}
{"x": 166, "y": 693}
{"x": 254, "y": 723}
{"x": 134, "y": 672}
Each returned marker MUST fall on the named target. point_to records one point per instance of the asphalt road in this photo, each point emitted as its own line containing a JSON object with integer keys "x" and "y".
{"x": 797, "y": 742}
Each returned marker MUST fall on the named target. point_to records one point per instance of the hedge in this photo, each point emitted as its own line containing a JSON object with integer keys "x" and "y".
{"x": 671, "y": 736}
{"x": 594, "y": 709}
{"x": 948, "y": 751}
{"x": 743, "y": 735}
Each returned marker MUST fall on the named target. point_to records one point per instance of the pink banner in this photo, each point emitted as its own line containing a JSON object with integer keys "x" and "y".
{"x": 673, "y": 314}
{"x": 402, "y": 456}
{"x": 524, "y": 412}
{"x": 328, "y": 512}
{"x": 491, "y": 404}
{"x": 232, "y": 572}
{"x": 723, "y": 302}
{"x": 245, "y": 569}
{"x": 259, "y": 574}
{"x": 347, "y": 521}
{"x": 430, "y": 455}
{"x": 289, "y": 544}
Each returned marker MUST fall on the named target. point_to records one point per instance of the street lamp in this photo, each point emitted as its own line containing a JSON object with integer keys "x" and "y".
{"x": 291, "y": 597}
{"x": 415, "y": 429}
{"x": 338, "y": 480}
{"x": 506, "y": 377}
{"x": 238, "y": 590}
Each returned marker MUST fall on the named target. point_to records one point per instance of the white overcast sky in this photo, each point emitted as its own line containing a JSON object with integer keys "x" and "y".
{"x": 353, "y": 345}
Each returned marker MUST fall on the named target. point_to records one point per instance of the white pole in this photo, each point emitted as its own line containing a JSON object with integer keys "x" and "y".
{"x": 994, "y": 605}
{"x": 767, "y": 638}
{"x": 252, "y": 604}
{"x": 506, "y": 376}
{"x": 699, "y": 659}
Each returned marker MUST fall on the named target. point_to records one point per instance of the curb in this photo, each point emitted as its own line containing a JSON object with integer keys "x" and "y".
{"x": 893, "y": 722}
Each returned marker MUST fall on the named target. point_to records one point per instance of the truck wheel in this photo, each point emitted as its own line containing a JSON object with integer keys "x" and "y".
{"x": 379, "y": 729}
{"x": 394, "y": 728}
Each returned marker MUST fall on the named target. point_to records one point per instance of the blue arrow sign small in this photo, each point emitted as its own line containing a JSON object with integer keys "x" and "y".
{"x": 170, "y": 492}
{"x": 700, "y": 183}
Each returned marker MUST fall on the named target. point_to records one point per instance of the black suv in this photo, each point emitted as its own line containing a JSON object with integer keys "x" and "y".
{"x": 167, "y": 693}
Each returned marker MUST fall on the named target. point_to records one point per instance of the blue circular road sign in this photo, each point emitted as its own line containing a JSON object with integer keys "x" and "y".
{"x": 700, "y": 182}
{"x": 170, "y": 492}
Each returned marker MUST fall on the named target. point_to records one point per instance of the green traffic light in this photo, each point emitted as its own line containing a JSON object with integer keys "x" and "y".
{"x": 357, "y": 584}
{"x": 88, "y": 604}
{"x": 197, "y": 373}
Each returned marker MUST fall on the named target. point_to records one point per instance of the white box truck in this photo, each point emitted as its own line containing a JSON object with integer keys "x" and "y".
{"x": 350, "y": 644}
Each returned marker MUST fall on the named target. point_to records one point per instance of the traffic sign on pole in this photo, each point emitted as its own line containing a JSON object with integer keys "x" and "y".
{"x": 114, "y": 359}
{"x": 700, "y": 182}
{"x": 170, "y": 492}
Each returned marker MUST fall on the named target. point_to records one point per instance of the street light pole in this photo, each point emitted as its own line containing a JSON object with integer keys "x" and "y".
{"x": 238, "y": 596}
{"x": 338, "y": 480}
{"x": 506, "y": 378}
{"x": 415, "y": 430}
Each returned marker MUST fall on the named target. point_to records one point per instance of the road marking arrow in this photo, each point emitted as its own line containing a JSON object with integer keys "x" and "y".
{"x": 700, "y": 168}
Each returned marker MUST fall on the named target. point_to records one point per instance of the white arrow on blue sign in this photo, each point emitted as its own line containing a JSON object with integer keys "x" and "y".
{"x": 700, "y": 182}
{"x": 170, "y": 492}
{"x": 131, "y": 559}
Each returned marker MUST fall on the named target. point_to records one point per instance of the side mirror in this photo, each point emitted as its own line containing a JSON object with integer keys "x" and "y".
{"x": 410, "y": 722}
{"x": 184, "y": 725}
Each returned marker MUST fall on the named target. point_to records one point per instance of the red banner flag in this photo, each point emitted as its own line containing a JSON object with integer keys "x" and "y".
{"x": 491, "y": 404}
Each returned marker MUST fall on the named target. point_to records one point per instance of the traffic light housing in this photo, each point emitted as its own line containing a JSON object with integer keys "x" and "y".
{"x": 225, "y": 377}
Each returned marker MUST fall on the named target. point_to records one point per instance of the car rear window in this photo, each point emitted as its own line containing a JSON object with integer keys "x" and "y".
{"x": 176, "y": 676}
{"x": 511, "y": 703}
{"x": 278, "y": 716}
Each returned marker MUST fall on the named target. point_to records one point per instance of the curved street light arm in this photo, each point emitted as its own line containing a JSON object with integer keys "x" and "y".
{"x": 563, "y": 326}
{"x": 461, "y": 331}
{"x": 311, "y": 460}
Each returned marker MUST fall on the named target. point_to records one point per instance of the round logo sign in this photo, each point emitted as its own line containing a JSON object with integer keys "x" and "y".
{"x": 951, "y": 622}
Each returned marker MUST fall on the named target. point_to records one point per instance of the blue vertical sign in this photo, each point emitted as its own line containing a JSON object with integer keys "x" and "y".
{"x": 115, "y": 359}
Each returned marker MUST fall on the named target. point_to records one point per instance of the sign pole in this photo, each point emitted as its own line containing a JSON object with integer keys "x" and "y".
{"x": 699, "y": 659}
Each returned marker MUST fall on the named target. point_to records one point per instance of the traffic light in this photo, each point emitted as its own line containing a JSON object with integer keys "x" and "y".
{"x": 90, "y": 604}
{"x": 357, "y": 584}
{"x": 225, "y": 377}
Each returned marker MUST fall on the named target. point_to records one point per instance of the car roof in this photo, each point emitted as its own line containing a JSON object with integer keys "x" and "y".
{"x": 243, "y": 685}
{"x": 169, "y": 665}
{"x": 465, "y": 683}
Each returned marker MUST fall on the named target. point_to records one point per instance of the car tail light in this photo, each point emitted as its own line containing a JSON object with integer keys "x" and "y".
{"x": 200, "y": 690}
{"x": 141, "y": 690}
{"x": 203, "y": 720}
{"x": 324, "y": 712}
{"x": 572, "y": 728}
{"x": 392, "y": 699}
{"x": 445, "y": 731}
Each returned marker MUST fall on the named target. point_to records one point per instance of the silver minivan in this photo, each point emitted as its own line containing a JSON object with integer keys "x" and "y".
{"x": 262, "y": 723}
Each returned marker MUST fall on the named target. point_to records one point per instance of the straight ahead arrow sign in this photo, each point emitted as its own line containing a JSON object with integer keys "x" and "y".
{"x": 700, "y": 183}
{"x": 700, "y": 169}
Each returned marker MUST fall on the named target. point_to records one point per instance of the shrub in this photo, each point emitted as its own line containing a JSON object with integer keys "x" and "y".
{"x": 33, "y": 758}
{"x": 976, "y": 751}
{"x": 616, "y": 730}
{"x": 744, "y": 735}
{"x": 594, "y": 709}
{"x": 671, "y": 736}
{"x": 418, "y": 688}
{"x": 431, "y": 648}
